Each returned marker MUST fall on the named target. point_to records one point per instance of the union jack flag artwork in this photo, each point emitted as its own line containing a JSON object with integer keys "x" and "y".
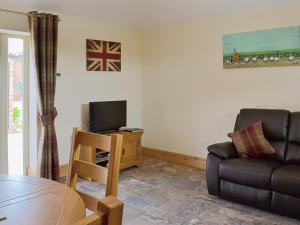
{"x": 103, "y": 55}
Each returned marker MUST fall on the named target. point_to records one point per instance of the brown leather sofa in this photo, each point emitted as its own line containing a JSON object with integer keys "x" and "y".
{"x": 272, "y": 183}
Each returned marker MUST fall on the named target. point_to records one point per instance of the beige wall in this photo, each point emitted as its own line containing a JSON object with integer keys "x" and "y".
{"x": 76, "y": 86}
{"x": 13, "y": 22}
{"x": 188, "y": 100}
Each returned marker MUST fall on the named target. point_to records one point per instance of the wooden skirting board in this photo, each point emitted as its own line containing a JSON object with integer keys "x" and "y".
{"x": 63, "y": 171}
{"x": 196, "y": 162}
{"x": 192, "y": 161}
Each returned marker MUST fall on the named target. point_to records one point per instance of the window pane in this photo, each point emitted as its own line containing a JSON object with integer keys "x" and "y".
{"x": 16, "y": 95}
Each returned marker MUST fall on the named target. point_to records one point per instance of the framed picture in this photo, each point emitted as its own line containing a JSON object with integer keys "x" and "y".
{"x": 275, "y": 47}
{"x": 103, "y": 55}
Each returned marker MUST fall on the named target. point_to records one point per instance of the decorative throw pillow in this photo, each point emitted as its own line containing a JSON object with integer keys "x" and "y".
{"x": 250, "y": 142}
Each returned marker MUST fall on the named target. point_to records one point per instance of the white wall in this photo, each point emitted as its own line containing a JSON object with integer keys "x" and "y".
{"x": 76, "y": 86}
{"x": 188, "y": 100}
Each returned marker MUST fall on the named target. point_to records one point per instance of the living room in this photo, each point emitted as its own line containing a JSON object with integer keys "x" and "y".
{"x": 172, "y": 73}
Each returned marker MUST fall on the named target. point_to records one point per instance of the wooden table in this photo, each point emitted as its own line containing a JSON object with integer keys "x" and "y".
{"x": 35, "y": 201}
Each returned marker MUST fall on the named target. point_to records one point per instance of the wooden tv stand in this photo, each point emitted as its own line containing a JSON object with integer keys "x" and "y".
{"x": 131, "y": 150}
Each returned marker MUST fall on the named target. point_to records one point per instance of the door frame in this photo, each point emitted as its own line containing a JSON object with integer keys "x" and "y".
{"x": 4, "y": 99}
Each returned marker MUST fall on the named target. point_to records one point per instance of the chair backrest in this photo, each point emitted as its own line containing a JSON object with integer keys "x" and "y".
{"x": 106, "y": 175}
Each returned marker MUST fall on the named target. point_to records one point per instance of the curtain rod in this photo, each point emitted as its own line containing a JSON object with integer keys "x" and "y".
{"x": 16, "y": 12}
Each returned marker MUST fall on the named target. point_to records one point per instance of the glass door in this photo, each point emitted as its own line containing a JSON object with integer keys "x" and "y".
{"x": 14, "y": 104}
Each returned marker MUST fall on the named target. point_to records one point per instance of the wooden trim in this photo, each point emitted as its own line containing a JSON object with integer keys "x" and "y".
{"x": 31, "y": 172}
{"x": 63, "y": 170}
{"x": 192, "y": 161}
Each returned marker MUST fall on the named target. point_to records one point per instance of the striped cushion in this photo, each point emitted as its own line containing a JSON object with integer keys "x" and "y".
{"x": 250, "y": 142}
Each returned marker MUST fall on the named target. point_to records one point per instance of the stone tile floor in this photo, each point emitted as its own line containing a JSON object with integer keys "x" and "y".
{"x": 162, "y": 193}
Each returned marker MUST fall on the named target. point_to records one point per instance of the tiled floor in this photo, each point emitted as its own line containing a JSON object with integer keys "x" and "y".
{"x": 162, "y": 193}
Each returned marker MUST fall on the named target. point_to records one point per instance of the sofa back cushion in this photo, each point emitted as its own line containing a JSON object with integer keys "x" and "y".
{"x": 275, "y": 126}
{"x": 293, "y": 151}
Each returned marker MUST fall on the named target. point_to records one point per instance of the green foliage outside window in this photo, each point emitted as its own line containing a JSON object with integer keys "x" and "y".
{"x": 16, "y": 119}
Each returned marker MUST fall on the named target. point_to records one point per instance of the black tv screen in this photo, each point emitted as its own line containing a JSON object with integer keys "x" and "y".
{"x": 107, "y": 116}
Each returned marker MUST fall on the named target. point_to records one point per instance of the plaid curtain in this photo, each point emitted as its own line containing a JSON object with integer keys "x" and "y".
{"x": 43, "y": 37}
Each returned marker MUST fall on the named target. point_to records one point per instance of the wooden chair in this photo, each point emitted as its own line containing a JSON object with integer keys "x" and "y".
{"x": 107, "y": 211}
{"x": 110, "y": 212}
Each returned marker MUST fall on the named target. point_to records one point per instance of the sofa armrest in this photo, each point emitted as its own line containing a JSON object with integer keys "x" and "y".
{"x": 224, "y": 150}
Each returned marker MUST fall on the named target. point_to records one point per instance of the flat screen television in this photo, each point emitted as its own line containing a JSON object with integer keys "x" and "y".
{"x": 107, "y": 116}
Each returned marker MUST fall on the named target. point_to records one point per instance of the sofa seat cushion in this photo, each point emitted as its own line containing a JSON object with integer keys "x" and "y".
{"x": 250, "y": 172}
{"x": 286, "y": 180}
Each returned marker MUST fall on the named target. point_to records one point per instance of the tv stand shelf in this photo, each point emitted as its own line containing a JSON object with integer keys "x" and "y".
{"x": 131, "y": 151}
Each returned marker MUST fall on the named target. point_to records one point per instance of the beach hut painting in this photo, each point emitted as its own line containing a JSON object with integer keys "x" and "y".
{"x": 275, "y": 47}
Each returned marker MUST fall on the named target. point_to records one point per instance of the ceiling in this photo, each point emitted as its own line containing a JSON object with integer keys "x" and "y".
{"x": 143, "y": 13}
